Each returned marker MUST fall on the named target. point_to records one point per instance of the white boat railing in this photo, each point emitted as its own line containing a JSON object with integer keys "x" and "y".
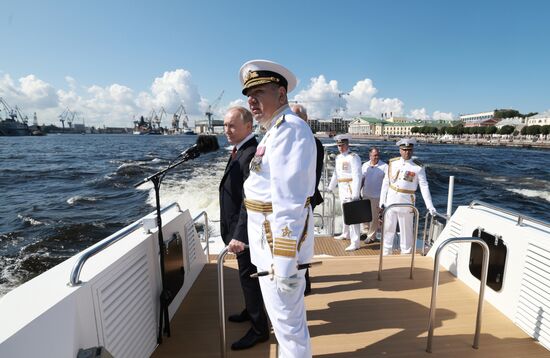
{"x": 520, "y": 217}
{"x": 427, "y": 235}
{"x": 483, "y": 283}
{"x": 221, "y": 300}
{"x": 74, "y": 279}
{"x": 206, "y": 232}
{"x": 415, "y": 235}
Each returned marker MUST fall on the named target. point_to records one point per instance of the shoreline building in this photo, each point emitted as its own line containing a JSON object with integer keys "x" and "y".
{"x": 538, "y": 120}
{"x": 481, "y": 119}
{"x": 392, "y": 126}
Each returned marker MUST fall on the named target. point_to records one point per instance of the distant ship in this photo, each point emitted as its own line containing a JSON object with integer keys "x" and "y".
{"x": 144, "y": 126}
{"x": 188, "y": 131}
{"x": 10, "y": 126}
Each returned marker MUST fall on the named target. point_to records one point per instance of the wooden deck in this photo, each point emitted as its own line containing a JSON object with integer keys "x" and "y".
{"x": 352, "y": 314}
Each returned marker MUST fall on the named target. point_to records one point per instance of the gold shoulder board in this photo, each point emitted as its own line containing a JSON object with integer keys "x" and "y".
{"x": 280, "y": 121}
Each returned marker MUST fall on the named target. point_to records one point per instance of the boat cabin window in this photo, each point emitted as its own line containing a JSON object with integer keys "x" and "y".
{"x": 497, "y": 259}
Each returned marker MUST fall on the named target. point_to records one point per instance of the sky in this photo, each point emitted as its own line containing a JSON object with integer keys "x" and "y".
{"x": 114, "y": 60}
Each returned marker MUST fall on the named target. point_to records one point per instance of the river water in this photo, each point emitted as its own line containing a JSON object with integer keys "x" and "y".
{"x": 62, "y": 193}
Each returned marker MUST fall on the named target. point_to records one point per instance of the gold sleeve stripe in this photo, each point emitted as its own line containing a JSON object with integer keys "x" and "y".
{"x": 345, "y": 180}
{"x": 282, "y": 240}
{"x": 258, "y": 206}
{"x": 285, "y": 246}
{"x": 285, "y": 253}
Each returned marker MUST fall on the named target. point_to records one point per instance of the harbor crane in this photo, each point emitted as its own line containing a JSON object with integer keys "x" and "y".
{"x": 10, "y": 112}
{"x": 64, "y": 116}
{"x": 178, "y": 117}
{"x": 209, "y": 113}
{"x": 158, "y": 118}
{"x": 23, "y": 118}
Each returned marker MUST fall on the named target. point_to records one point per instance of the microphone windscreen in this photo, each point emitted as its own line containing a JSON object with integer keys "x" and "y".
{"x": 207, "y": 143}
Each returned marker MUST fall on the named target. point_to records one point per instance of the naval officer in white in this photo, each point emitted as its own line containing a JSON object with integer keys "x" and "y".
{"x": 277, "y": 199}
{"x": 402, "y": 178}
{"x": 347, "y": 175}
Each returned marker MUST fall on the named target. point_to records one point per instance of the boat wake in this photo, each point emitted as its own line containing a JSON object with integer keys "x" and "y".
{"x": 530, "y": 193}
{"x": 81, "y": 199}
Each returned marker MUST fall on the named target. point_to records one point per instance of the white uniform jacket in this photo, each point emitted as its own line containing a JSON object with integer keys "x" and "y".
{"x": 401, "y": 181}
{"x": 277, "y": 192}
{"x": 347, "y": 174}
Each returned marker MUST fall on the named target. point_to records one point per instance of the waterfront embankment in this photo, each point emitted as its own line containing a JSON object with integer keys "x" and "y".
{"x": 492, "y": 142}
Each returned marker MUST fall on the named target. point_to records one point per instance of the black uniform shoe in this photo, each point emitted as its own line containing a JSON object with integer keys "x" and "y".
{"x": 250, "y": 339}
{"x": 239, "y": 317}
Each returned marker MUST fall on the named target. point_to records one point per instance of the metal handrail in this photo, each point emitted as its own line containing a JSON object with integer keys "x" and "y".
{"x": 74, "y": 279}
{"x": 206, "y": 233}
{"x": 483, "y": 283}
{"x": 221, "y": 300}
{"x": 430, "y": 230}
{"x": 333, "y": 212}
{"x": 317, "y": 215}
{"x": 416, "y": 216}
{"x": 520, "y": 217}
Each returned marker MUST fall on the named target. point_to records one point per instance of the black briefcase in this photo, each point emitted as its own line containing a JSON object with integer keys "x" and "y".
{"x": 356, "y": 212}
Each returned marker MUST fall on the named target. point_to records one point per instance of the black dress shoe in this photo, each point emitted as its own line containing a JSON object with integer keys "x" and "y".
{"x": 239, "y": 317}
{"x": 250, "y": 339}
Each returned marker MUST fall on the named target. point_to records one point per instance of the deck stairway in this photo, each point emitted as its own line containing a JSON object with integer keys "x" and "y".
{"x": 352, "y": 314}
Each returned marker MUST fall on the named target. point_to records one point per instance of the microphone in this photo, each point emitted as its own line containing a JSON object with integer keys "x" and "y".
{"x": 204, "y": 144}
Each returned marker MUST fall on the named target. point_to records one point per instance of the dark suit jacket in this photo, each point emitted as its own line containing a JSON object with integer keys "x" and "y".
{"x": 232, "y": 220}
{"x": 317, "y": 197}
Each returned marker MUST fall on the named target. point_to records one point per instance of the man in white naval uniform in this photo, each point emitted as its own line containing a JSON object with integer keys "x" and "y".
{"x": 277, "y": 199}
{"x": 347, "y": 175}
{"x": 402, "y": 177}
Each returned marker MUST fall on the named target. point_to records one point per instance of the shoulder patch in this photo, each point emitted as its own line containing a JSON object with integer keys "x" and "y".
{"x": 279, "y": 121}
{"x": 418, "y": 162}
{"x": 394, "y": 159}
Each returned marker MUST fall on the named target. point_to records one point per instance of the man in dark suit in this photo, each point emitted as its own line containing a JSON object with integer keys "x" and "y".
{"x": 317, "y": 197}
{"x": 233, "y": 223}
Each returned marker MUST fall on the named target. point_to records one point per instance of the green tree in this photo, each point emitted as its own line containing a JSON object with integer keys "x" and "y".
{"x": 506, "y": 130}
{"x": 534, "y": 130}
{"x": 545, "y": 129}
{"x": 491, "y": 130}
{"x": 506, "y": 113}
{"x": 524, "y": 130}
{"x": 414, "y": 130}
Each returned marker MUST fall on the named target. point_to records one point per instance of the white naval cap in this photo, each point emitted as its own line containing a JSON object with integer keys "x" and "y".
{"x": 342, "y": 138}
{"x": 406, "y": 142}
{"x": 257, "y": 72}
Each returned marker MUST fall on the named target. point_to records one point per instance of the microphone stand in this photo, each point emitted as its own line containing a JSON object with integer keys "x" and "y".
{"x": 156, "y": 179}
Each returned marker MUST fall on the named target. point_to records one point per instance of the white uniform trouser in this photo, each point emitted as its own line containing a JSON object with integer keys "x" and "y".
{"x": 405, "y": 218}
{"x": 353, "y": 232}
{"x": 287, "y": 313}
{"x": 375, "y": 211}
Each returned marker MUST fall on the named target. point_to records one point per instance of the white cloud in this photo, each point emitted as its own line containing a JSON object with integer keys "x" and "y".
{"x": 437, "y": 115}
{"x": 117, "y": 104}
{"x": 29, "y": 92}
{"x": 171, "y": 90}
{"x": 419, "y": 113}
{"x": 321, "y": 98}
{"x": 390, "y": 106}
{"x": 360, "y": 97}
{"x": 112, "y": 105}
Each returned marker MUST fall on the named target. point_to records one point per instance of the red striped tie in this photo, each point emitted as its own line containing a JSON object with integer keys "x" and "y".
{"x": 234, "y": 153}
